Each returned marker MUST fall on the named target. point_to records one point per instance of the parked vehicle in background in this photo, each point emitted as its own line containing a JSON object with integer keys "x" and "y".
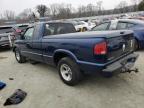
{"x": 18, "y": 29}
{"x": 75, "y": 54}
{"x": 79, "y": 26}
{"x": 6, "y": 37}
{"x": 87, "y": 25}
{"x": 91, "y": 23}
{"x": 125, "y": 16}
{"x": 125, "y": 24}
{"x": 9, "y": 33}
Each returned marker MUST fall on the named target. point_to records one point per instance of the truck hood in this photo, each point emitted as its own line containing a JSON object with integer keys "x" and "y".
{"x": 92, "y": 34}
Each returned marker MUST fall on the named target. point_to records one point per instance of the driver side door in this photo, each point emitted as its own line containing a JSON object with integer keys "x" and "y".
{"x": 26, "y": 44}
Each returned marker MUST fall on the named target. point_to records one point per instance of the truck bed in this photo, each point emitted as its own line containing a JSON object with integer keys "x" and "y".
{"x": 92, "y": 34}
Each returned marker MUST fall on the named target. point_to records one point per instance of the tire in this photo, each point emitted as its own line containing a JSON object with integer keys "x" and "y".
{"x": 19, "y": 57}
{"x": 107, "y": 74}
{"x": 69, "y": 71}
{"x": 136, "y": 45}
{"x": 84, "y": 29}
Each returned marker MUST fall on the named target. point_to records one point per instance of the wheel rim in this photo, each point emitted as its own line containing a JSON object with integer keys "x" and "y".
{"x": 17, "y": 55}
{"x": 66, "y": 72}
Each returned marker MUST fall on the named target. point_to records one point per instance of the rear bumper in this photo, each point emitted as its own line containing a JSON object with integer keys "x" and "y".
{"x": 121, "y": 65}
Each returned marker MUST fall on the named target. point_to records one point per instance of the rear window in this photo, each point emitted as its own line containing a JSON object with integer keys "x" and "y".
{"x": 66, "y": 28}
{"x": 58, "y": 28}
{"x": 6, "y": 30}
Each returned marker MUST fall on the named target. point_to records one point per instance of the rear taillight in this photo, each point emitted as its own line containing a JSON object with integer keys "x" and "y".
{"x": 100, "y": 48}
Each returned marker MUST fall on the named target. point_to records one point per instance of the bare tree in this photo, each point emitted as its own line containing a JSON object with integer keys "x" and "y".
{"x": 122, "y": 6}
{"x": 90, "y": 10}
{"x": 64, "y": 11}
{"x": 68, "y": 9}
{"x": 82, "y": 11}
{"x": 48, "y": 12}
{"x": 54, "y": 9}
{"x": 141, "y": 6}
{"x": 9, "y": 15}
{"x": 134, "y": 3}
{"x": 99, "y": 7}
{"x": 42, "y": 10}
{"x": 26, "y": 14}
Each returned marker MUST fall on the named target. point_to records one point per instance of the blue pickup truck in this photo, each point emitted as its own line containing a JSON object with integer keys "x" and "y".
{"x": 76, "y": 54}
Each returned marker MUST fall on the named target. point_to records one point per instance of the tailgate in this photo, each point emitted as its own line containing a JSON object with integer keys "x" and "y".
{"x": 120, "y": 45}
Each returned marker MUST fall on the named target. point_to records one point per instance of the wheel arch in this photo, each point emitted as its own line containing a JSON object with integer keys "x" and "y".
{"x": 61, "y": 53}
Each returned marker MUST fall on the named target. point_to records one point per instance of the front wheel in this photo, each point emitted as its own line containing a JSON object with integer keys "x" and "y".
{"x": 69, "y": 71}
{"x": 19, "y": 57}
{"x": 136, "y": 45}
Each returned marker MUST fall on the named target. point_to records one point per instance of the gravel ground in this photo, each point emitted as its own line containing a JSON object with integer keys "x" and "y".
{"x": 45, "y": 89}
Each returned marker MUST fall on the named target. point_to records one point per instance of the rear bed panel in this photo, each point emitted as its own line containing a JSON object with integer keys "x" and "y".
{"x": 119, "y": 46}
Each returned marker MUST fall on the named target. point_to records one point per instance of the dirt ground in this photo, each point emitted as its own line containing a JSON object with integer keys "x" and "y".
{"x": 45, "y": 89}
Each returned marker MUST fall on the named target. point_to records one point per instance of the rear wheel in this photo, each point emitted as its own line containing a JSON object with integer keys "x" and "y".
{"x": 19, "y": 57}
{"x": 69, "y": 71}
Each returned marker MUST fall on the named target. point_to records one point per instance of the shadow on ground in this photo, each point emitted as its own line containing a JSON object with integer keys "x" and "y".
{"x": 5, "y": 49}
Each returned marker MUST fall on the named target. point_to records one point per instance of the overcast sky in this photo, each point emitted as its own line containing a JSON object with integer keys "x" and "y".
{"x": 19, "y": 5}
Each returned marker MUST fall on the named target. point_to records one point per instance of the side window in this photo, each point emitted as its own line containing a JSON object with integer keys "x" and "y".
{"x": 65, "y": 28}
{"x": 130, "y": 25}
{"x": 54, "y": 29}
{"x": 50, "y": 29}
{"x": 121, "y": 25}
{"x": 29, "y": 33}
{"x": 101, "y": 27}
{"x": 113, "y": 25}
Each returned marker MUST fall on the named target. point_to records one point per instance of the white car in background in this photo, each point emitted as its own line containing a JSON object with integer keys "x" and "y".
{"x": 93, "y": 23}
{"x": 80, "y": 26}
{"x": 84, "y": 26}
